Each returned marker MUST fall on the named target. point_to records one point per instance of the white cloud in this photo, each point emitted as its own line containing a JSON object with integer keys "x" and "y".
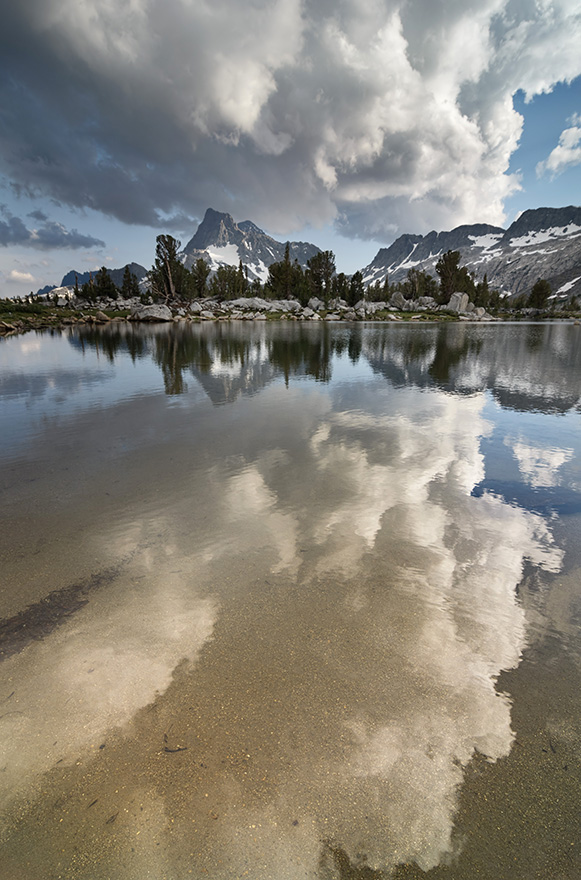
{"x": 538, "y": 465}
{"x": 115, "y": 656}
{"x": 385, "y": 113}
{"x": 20, "y": 277}
{"x": 358, "y": 682}
{"x": 566, "y": 153}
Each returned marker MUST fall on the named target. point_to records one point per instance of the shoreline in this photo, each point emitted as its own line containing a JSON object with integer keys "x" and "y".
{"x": 24, "y": 318}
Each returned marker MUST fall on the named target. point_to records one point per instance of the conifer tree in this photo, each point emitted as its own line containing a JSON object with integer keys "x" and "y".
{"x": 129, "y": 284}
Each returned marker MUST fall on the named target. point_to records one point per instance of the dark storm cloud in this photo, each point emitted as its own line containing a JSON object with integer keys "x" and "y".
{"x": 385, "y": 113}
{"x": 48, "y": 236}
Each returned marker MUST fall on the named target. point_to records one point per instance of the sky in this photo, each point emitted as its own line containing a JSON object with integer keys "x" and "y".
{"x": 341, "y": 122}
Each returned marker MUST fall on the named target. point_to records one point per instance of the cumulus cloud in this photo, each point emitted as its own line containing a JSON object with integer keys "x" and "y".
{"x": 20, "y": 277}
{"x": 381, "y": 115}
{"x": 566, "y": 153}
{"x": 538, "y": 465}
{"x": 47, "y": 236}
{"x": 152, "y": 631}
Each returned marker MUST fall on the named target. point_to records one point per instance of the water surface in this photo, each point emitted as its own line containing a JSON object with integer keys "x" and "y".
{"x": 290, "y": 601}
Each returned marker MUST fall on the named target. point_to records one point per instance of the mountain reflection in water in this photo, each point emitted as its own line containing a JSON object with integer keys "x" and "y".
{"x": 525, "y": 366}
{"x": 318, "y": 579}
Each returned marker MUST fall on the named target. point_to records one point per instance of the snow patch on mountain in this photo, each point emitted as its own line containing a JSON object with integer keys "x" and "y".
{"x": 569, "y": 285}
{"x": 227, "y": 255}
{"x": 542, "y": 235}
{"x": 486, "y": 241}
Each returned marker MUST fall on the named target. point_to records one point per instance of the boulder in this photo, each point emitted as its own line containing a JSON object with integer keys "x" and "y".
{"x": 428, "y": 302}
{"x": 252, "y": 303}
{"x": 398, "y": 300}
{"x": 287, "y": 305}
{"x": 458, "y": 302}
{"x": 155, "y": 312}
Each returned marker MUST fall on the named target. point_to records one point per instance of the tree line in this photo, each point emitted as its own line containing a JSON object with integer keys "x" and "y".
{"x": 102, "y": 286}
{"x": 170, "y": 281}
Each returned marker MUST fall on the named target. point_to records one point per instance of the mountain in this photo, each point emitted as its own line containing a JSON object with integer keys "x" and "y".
{"x": 541, "y": 243}
{"x": 222, "y": 242}
{"x": 116, "y": 275}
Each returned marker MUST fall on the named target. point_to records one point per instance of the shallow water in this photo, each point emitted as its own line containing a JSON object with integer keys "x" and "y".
{"x": 291, "y": 601}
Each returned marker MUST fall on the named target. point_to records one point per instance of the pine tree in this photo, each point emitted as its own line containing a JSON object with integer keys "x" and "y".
{"x": 129, "y": 285}
{"x": 104, "y": 286}
{"x": 540, "y": 294}
{"x": 356, "y": 289}
{"x": 200, "y": 272}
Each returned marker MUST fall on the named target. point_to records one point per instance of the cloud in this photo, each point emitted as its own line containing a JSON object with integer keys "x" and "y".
{"x": 539, "y": 466}
{"x": 20, "y": 277}
{"x": 349, "y": 696}
{"x": 154, "y": 631}
{"x": 392, "y": 548}
{"x": 384, "y": 115}
{"x": 47, "y": 236}
{"x": 566, "y": 153}
{"x": 38, "y": 215}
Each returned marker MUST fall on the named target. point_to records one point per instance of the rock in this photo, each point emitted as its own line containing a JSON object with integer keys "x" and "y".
{"x": 206, "y": 313}
{"x": 308, "y": 312}
{"x": 155, "y": 312}
{"x": 458, "y": 302}
{"x": 315, "y": 304}
{"x": 253, "y": 303}
{"x": 398, "y": 300}
{"x": 332, "y": 317}
{"x": 287, "y": 305}
{"x": 428, "y": 302}
{"x": 102, "y": 318}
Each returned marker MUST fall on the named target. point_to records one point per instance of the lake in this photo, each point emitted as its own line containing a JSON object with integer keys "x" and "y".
{"x": 285, "y": 600}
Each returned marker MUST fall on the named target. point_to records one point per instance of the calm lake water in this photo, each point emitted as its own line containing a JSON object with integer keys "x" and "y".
{"x": 291, "y": 601}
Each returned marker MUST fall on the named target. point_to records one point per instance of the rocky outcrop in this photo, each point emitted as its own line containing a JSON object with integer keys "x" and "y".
{"x": 156, "y": 312}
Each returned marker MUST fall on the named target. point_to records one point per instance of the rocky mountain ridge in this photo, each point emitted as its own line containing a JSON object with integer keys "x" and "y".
{"x": 541, "y": 243}
{"x": 220, "y": 241}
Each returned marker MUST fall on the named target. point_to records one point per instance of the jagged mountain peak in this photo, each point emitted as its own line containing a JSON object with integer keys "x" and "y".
{"x": 216, "y": 228}
{"x": 220, "y": 240}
